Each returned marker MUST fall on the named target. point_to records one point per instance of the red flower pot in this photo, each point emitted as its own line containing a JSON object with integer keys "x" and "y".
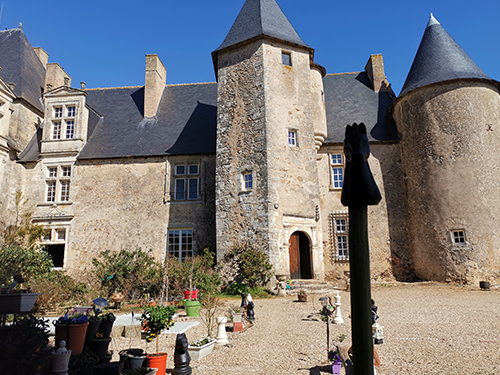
{"x": 73, "y": 334}
{"x": 193, "y": 293}
{"x": 158, "y": 361}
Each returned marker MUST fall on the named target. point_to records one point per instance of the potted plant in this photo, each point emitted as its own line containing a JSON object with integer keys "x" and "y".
{"x": 237, "y": 316}
{"x": 16, "y": 303}
{"x": 201, "y": 347}
{"x": 154, "y": 320}
{"x": 72, "y": 328}
{"x": 133, "y": 358}
{"x": 334, "y": 358}
{"x": 106, "y": 325}
{"x": 24, "y": 346}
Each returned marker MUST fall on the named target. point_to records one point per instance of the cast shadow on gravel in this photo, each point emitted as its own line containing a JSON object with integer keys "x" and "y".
{"x": 318, "y": 370}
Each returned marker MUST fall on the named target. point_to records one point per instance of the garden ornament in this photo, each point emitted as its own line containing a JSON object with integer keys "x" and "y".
{"x": 250, "y": 309}
{"x": 359, "y": 190}
{"x": 181, "y": 356}
{"x": 221, "y": 331}
{"x": 243, "y": 300}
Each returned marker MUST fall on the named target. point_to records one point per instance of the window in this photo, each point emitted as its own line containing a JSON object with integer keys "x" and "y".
{"x": 337, "y": 165}
{"x": 64, "y": 126}
{"x": 292, "y": 138}
{"x": 64, "y": 191}
{"x": 180, "y": 243}
{"x": 458, "y": 237}
{"x": 186, "y": 182}
{"x": 58, "y": 183}
{"x": 286, "y": 58}
{"x": 51, "y": 191}
{"x": 56, "y": 130}
{"x": 339, "y": 233}
{"x": 247, "y": 180}
{"x": 54, "y": 243}
{"x": 70, "y": 129}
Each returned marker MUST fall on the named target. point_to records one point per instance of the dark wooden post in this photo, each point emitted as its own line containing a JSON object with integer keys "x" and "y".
{"x": 359, "y": 191}
{"x": 361, "y": 317}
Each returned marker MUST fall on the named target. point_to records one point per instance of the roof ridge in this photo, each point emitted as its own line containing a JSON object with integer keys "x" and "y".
{"x": 340, "y": 74}
{"x": 190, "y": 84}
{"x": 113, "y": 88}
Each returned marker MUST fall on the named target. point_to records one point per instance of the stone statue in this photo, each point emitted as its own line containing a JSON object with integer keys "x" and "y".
{"x": 181, "y": 356}
{"x": 359, "y": 188}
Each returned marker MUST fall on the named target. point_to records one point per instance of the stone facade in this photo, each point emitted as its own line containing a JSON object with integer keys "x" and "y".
{"x": 449, "y": 153}
{"x": 256, "y": 160}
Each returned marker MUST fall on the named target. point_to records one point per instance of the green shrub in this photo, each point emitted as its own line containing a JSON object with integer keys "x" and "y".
{"x": 236, "y": 288}
{"x": 130, "y": 272}
{"x": 30, "y": 263}
{"x": 255, "y": 269}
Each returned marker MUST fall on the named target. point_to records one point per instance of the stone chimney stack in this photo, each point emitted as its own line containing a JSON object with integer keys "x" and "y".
{"x": 42, "y": 55}
{"x": 156, "y": 78}
{"x": 375, "y": 70}
{"x": 56, "y": 77}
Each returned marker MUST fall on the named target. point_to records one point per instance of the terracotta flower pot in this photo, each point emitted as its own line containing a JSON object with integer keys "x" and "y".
{"x": 73, "y": 334}
{"x": 158, "y": 361}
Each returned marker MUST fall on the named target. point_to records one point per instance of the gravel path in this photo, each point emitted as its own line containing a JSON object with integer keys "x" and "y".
{"x": 428, "y": 329}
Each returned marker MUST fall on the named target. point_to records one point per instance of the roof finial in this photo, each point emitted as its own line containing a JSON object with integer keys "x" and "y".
{"x": 432, "y": 21}
{"x": 20, "y": 25}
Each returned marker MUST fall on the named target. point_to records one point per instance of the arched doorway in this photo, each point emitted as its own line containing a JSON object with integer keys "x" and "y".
{"x": 300, "y": 256}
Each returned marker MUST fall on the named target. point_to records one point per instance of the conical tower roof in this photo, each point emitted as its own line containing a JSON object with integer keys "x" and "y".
{"x": 439, "y": 58}
{"x": 261, "y": 18}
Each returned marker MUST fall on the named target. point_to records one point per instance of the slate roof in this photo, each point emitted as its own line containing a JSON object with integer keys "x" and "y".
{"x": 261, "y": 17}
{"x": 21, "y": 65}
{"x": 185, "y": 123}
{"x": 350, "y": 98}
{"x": 439, "y": 58}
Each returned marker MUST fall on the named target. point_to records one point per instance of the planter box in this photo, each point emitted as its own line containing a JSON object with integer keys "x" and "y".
{"x": 15, "y": 303}
{"x": 198, "y": 352}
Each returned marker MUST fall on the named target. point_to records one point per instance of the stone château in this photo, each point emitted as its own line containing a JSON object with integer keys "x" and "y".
{"x": 256, "y": 158}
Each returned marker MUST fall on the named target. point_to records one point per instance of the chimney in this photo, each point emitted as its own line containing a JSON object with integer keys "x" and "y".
{"x": 42, "y": 55}
{"x": 156, "y": 78}
{"x": 375, "y": 70}
{"x": 56, "y": 76}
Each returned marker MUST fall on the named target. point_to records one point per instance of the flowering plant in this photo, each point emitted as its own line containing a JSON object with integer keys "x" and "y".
{"x": 200, "y": 342}
{"x": 155, "y": 319}
{"x": 73, "y": 318}
{"x": 334, "y": 356}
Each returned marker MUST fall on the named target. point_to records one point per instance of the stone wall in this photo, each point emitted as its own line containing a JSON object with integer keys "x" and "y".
{"x": 450, "y": 158}
{"x": 389, "y": 254}
{"x": 121, "y": 204}
{"x": 259, "y": 100}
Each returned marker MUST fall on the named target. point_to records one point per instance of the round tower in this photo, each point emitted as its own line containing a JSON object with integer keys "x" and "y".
{"x": 448, "y": 116}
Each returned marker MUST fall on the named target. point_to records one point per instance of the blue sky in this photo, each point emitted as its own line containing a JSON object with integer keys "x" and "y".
{"x": 104, "y": 43}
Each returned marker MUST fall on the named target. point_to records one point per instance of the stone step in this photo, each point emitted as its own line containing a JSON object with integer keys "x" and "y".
{"x": 312, "y": 286}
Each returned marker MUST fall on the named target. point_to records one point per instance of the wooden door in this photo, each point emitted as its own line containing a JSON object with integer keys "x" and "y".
{"x": 294, "y": 251}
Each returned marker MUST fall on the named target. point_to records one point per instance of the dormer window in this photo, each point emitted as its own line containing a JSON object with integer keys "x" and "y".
{"x": 64, "y": 126}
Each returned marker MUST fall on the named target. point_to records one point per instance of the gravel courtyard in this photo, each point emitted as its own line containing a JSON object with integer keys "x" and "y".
{"x": 429, "y": 328}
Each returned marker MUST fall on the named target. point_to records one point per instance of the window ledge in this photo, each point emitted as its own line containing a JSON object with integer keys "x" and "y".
{"x": 50, "y": 204}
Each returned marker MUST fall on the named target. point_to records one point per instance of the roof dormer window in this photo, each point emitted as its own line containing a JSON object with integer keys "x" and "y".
{"x": 63, "y": 127}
